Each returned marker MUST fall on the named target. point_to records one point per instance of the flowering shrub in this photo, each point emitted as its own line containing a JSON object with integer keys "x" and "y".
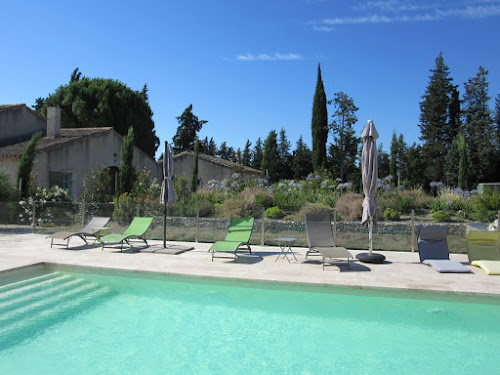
{"x": 44, "y": 212}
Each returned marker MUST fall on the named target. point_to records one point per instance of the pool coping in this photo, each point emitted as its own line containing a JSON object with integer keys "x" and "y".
{"x": 403, "y": 272}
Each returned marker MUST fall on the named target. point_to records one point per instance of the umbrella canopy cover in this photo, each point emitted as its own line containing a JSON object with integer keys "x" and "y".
{"x": 168, "y": 194}
{"x": 369, "y": 171}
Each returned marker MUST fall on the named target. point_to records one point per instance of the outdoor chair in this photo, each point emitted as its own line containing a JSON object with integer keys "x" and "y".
{"x": 433, "y": 250}
{"x": 136, "y": 230}
{"x": 92, "y": 229}
{"x": 484, "y": 251}
{"x": 320, "y": 239}
{"x": 238, "y": 235}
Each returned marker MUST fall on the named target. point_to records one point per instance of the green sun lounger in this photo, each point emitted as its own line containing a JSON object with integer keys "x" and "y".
{"x": 136, "y": 230}
{"x": 238, "y": 235}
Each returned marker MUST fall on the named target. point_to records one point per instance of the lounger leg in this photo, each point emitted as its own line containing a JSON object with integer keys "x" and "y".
{"x": 212, "y": 255}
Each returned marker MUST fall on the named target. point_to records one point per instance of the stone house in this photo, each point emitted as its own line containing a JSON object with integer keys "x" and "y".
{"x": 209, "y": 168}
{"x": 63, "y": 156}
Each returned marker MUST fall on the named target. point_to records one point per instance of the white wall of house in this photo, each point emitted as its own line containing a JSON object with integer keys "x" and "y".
{"x": 19, "y": 121}
{"x": 78, "y": 158}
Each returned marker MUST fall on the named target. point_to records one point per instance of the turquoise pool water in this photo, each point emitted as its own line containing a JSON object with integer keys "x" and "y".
{"x": 81, "y": 323}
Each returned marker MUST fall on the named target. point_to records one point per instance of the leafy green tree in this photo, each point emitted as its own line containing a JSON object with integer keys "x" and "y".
{"x": 194, "y": 179}
{"x": 435, "y": 121}
{"x": 26, "y": 166}
{"x": 284, "y": 156}
{"x": 97, "y": 186}
{"x": 257, "y": 155}
{"x": 189, "y": 126}
{"x": 344, "y": 150}
{"x": 479, "y": 128}
{"x": 270, "y": 163}
{"x": 98, "y": 102}
{"x": 319, "y": 125}
{"x": 127, "y": 169}
{"x": 301, "y": 160}
{"x": 246, "y": 157}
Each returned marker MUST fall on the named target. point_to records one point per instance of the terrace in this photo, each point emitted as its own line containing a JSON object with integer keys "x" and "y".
{"x": 402, "y": 269}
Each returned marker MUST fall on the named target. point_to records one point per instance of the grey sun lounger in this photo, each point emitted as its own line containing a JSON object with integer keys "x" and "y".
{"x": 88, "y": 231}
{"x": 433, "y": 250}
{"x": 320, "y": 239}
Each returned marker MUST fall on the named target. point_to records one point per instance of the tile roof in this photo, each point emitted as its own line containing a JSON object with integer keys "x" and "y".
{"x": 216, "y": 160}
{"x": 68, "y": 135}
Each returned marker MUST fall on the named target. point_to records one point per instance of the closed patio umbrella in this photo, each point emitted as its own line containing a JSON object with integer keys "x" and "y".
{"x": 369, "y": 172}
{"x": 168, "y": 195}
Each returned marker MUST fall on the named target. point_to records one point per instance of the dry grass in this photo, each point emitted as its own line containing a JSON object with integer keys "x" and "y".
{"x": 349, "y": 206}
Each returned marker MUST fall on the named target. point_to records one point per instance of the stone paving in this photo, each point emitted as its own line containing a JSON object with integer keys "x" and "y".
{"x": 401, "y": 271}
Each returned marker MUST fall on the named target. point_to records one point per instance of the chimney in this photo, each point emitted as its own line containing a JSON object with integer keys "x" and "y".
{"x": 53, "y": 122}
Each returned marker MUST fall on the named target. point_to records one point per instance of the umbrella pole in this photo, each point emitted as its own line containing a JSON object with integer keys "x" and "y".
{"x": 370, "y": 236}
{"x": 165, "y": 226}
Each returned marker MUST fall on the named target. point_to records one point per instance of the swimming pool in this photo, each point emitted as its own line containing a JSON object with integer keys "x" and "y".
{"x": 60, "y": 322}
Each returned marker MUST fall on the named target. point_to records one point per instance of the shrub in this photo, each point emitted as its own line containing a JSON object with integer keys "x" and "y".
{"x": 274, "y": 213}
{"x": 391, "y": 214}
{"x": 45, "y": 211}
{"x": 7, "y": 191}
{"x": 440, "y": 216}
{"x": 349, "y": 206}
{"x": 125, "y": 208}
{"x": 291, "y": 200}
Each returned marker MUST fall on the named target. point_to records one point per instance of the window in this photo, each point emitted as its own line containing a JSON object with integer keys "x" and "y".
{"x": 61, "y": 179}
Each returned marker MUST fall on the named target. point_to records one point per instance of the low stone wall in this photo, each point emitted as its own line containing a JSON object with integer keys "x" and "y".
{"x": 387, "y": 236}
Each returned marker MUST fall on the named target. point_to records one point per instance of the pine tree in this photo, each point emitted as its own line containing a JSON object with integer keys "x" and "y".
{"x": 284, "y": 156}
{"x": 257, "y": 155}
{"x": 344, "y": 150}
{"x": 189, "y": 126}
{"x": 194, "y": 178}
{"x": 26, "y": 165}
{"x": 270, "y": 164}
{"x": 479, "y": 129}
{"x": 301, "y": 160}
{"x": 127, "y": 170}
{"x": 434, "y": 119}
{"x": 319, "y": 125}
{"x": 246, "y": 158}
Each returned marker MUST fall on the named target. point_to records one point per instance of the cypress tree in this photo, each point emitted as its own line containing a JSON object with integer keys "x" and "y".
{"x": 127, "y": 170}
{"x": 319, "y": 125}
{"x": 194, "y": 179}
{"x": 26, "y": 165}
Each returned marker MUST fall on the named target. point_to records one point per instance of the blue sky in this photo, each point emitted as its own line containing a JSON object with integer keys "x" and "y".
{"x": 249, "y": 67}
